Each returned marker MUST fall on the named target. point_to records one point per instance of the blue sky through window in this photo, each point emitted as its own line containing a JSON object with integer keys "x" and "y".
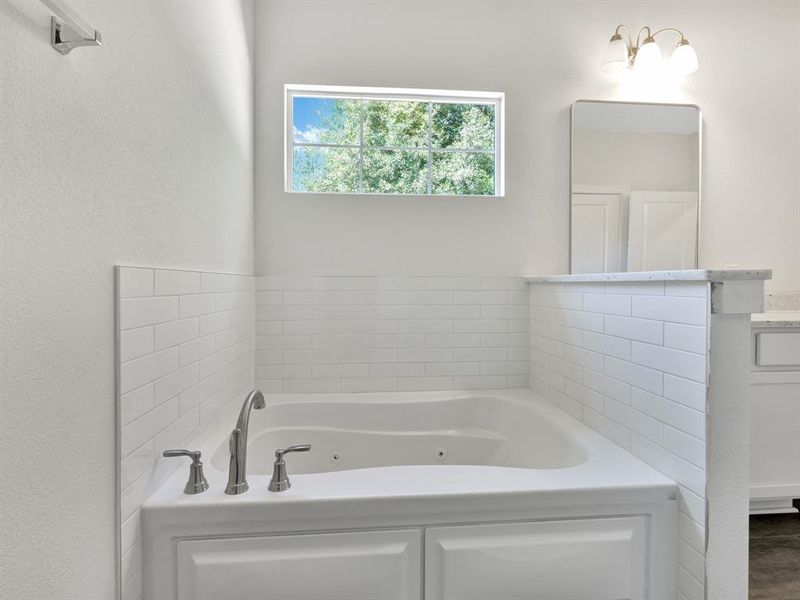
{"x": 308, "y": 113}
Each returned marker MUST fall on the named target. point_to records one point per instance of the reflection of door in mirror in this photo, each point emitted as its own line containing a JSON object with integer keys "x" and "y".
{"x": 635, "y": 187}
{"x": 662, "y": 231}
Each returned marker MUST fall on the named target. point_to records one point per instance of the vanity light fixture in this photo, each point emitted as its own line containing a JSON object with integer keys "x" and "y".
{"x": 645, "y": 55}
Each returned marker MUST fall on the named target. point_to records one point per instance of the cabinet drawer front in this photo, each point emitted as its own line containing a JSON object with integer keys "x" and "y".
{"x": 596, "y": 559}
{"x": 376, "y": 565}
{"x": 778, "y": 349}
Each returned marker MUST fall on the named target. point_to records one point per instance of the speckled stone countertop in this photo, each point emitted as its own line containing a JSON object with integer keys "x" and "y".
{"x": 713, "y": 275}
{"x": 776, "y": 319}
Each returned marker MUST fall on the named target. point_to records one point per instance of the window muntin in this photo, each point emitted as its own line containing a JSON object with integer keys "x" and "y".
{"x": 381, "y": 141}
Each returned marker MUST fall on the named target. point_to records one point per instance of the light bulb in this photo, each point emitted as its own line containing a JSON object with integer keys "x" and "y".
{"x": 648, "y": 57}
{"x": 684, "y": 58}
{"x": 615, "y": 58}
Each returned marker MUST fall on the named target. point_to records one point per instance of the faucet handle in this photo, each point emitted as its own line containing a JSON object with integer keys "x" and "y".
{"x": 280, "y": 480}
{"x": 298, "y": 448}
{"x": 197, "y": 483}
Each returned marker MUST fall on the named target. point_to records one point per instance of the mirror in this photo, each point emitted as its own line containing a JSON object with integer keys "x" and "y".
{"x": 635, "y": 186}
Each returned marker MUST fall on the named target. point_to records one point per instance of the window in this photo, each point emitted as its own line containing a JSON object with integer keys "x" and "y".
{"x": 391, "y": 141}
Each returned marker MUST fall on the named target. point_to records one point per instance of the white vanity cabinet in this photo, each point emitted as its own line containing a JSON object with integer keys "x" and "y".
{"x": 774, "y": 416}
{"x": 592, "y": 559}
{"x": 369, "y": 565}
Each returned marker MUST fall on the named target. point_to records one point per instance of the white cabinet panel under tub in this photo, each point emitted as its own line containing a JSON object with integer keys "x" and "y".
{"x": 372, "y": 565}
{"x": 594, "y": 559}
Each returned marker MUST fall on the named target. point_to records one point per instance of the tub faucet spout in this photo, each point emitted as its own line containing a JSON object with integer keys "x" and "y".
{"x": 237, "y": 471}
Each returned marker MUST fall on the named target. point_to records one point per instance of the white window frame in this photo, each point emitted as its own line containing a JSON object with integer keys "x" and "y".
{"x": 496, "y": 99}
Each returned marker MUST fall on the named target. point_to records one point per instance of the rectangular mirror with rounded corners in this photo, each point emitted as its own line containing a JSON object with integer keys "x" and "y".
{"x": 635, "y": 186}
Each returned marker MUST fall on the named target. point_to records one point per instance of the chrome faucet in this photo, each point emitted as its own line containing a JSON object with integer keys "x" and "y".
{"x": 237, "y": 471}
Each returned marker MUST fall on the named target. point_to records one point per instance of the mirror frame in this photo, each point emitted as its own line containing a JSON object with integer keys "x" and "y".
{"x": 699, "y": 164}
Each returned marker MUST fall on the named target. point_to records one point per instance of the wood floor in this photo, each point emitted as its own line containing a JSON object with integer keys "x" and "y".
{"x": 775, "y": 557}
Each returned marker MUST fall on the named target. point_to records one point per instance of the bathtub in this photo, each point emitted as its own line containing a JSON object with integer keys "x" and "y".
{"x": 435, "y": 495}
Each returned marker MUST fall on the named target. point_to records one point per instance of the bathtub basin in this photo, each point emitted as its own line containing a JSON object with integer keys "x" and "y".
{"x": 396, "y": 430}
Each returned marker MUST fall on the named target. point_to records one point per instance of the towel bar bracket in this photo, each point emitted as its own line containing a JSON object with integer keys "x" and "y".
{"x": 64, "y": 39}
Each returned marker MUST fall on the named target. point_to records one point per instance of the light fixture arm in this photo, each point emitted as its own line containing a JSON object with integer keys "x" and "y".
{"x": 678, "y": 31}
{"x": 639, "y": 35}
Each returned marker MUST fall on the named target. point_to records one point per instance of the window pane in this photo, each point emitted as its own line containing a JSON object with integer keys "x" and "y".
{"x": 462, "y": 173}
{"x": 395, "y": 123}
{"x": 325, "y": 121}
{"x": 463, "y": 126}
{"x": 325, "y": 169}
{"x": 396, "y": 171}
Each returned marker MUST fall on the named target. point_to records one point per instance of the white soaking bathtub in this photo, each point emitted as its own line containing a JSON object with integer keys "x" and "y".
{"x": 490, "y": 495}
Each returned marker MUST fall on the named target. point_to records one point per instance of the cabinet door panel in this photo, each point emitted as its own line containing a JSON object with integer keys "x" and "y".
{"x": 600, "y": 559}
{"x": 377, "y": 565}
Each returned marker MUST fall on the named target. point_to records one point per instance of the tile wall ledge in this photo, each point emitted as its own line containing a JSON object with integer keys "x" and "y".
{"x": 712, "y": 275}
{"x": 776, "y": 319}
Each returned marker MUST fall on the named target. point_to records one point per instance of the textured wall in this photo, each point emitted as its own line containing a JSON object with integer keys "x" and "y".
{"x": 544, "y": 55}
{"x": 136, "y": 152}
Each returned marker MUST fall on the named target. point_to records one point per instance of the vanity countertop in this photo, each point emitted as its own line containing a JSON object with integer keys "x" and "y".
{"x": 776, "y": 319}
{"x": 713, "y": 275}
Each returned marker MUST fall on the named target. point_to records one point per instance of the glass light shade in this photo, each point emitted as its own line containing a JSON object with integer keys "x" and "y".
{"x": 615, "y": 58}
{"x": 648, "y": 58}
{"x": 684, "y": 59}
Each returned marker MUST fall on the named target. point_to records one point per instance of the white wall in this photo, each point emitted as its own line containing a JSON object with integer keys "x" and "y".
{"x": 544, "y": 55}
{"x": 137, "y": 152}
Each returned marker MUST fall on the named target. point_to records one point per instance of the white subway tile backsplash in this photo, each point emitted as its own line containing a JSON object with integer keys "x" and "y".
{"x": 584, "y": 395}
{"x": 415, "y": 384}
{"x": 173, "y": 382}
{"x": 676, "y": 362}
{"x": 642, "y": 385}
{"x": 676, "y": 415}
{"x": 214, "y": 322}
{"x": 135, "y": 403}
{"x": 480, "y": 297}
{"x": 583, "y": 357}
{"x": 610, "y": 429}
{"x": 176, "y": 283}
{"x": 634, "y": 374}
{"x": 284, "y": 283}
{"x": 215, "y": 282}
{"x": 691, "y": 338}
{"x": 584, "y": 320}
{"x": 369, "y": 384}
{"x": 479, "y": 382}
{"x": 145, "y": 369}
{"x": 197, "y": 349}
{"x": 692, "y": 311}
{"x": 426, "y": 297}
{"x": 176, "y": 382}
{"x": 137, "y": 312}
{"x": 683, "y": 445}
{"x": 439, "y": 369}
{"x": 176, "y": 332}
{"x": 501, "y": 311}
{"x": 607, "y": 344}
{"x": 389, "y": 370}
{"x": 642, "y": 330}
{"x": 683, "y": 391}
{"x": 134, "y": 283}
{"x": 607, "y": 304}
{"x": 197, "y": 304}
{"x": 638, "y": 422}
{"x": 134, "y": 343}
